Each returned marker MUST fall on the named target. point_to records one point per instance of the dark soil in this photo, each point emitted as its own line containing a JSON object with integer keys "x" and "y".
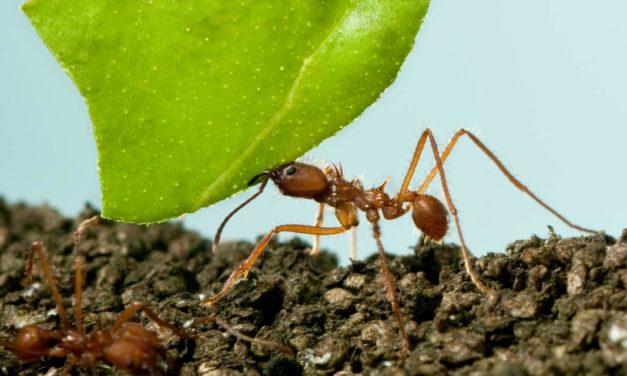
{"x": 562, "y": 307}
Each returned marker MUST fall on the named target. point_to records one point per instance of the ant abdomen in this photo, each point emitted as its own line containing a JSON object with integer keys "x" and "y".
{"x": 135, "y": 349}
{"x": 430, "y": 216}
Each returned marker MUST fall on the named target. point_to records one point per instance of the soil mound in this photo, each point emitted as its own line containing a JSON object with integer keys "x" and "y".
{"x": 562, "y": 308}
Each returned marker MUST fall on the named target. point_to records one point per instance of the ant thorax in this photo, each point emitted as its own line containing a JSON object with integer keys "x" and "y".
{"x": 75, "y": 342}
{"x": 340, "y": 192}
{"x": 348, "y": 196}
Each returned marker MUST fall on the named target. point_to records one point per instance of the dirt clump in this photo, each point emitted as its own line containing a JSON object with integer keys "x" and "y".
{"x": 562, "y": 308}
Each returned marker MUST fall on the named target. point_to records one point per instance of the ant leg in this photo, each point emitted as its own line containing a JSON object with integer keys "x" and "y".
{"x": 271, "y": 345}
{"x": 39, "y": 249}
{"x": 465, "y": 254}
{"x": 137, "y": 306}
{"x": 316, "y": 239}
{"x": 354, "y": 243}
{"x": 274, "y": 346}
{"x": 400, "y": 197}
{"x": 316, "y": 243}
{"x": 243, "y": 269}
{"x": 79, "y": 263}
{"x": 502, "y": 168}
{"x": 391, "y": 290}
{"x": 69, "y": 364}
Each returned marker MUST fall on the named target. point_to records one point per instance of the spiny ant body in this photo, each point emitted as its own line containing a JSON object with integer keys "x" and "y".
{"x": 328, "y": 187}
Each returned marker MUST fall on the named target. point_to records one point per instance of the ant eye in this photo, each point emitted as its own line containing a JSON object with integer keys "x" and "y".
{"x": 290, "y": 170}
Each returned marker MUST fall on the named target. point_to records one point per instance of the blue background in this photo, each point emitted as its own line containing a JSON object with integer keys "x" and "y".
{"x": 541, "y": 82}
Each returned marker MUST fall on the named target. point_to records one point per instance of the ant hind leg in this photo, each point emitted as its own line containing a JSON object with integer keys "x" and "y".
{"x": 401, "y": 197}
{"x": 447, "y": 194}
{"x": 504, "y": 171}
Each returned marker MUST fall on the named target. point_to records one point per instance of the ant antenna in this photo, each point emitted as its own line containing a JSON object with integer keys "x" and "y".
{"x": 264, "y": 182}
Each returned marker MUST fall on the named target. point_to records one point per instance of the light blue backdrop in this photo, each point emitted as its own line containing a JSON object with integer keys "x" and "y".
{"x": 542, "y": 82}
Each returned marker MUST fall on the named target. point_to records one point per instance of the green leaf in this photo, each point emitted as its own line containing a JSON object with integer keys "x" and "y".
{"x": 190, "y": 99}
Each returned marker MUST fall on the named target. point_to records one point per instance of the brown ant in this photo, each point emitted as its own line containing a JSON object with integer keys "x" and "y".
{"x": 126, "y": 345}
{"x": 328, "y": 187}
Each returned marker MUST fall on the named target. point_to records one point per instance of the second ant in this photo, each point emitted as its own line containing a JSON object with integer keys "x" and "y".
{"x": 125, "y": 345}
{"x": 328, "y": 187}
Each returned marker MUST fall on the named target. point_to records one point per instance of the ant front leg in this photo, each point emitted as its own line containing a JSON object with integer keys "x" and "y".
{"x": 404, "y": 196}
{"x": 315, "y": 248}
{"x": 243, "y": 269}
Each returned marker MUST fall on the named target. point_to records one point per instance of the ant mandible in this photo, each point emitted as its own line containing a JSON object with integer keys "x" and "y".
{"x": 328, "y": 187}
{"x": 126, "y": 345}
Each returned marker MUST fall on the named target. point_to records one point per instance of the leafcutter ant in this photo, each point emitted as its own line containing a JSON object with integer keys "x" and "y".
{"x": 125, "y": 345}
{"x": 329, "y": 187}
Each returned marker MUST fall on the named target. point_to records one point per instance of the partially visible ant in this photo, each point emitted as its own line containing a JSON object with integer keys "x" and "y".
{"x": 328, "y": 187}
{"x": 126, "y": 345}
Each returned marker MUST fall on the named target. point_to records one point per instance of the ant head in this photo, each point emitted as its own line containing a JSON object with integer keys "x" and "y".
{"x": 31, "y": 343}
{"x": 293, "y": 179}
{"x": 299, "y": 180}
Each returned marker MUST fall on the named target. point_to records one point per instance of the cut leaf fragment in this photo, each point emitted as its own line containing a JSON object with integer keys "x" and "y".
{"x": 191, "y": 99}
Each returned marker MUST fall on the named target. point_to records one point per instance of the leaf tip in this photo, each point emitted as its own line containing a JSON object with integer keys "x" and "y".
{"x": 26, "y": 5}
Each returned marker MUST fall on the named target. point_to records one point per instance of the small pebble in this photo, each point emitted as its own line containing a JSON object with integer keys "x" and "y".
{"x": 340, "y": 298}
